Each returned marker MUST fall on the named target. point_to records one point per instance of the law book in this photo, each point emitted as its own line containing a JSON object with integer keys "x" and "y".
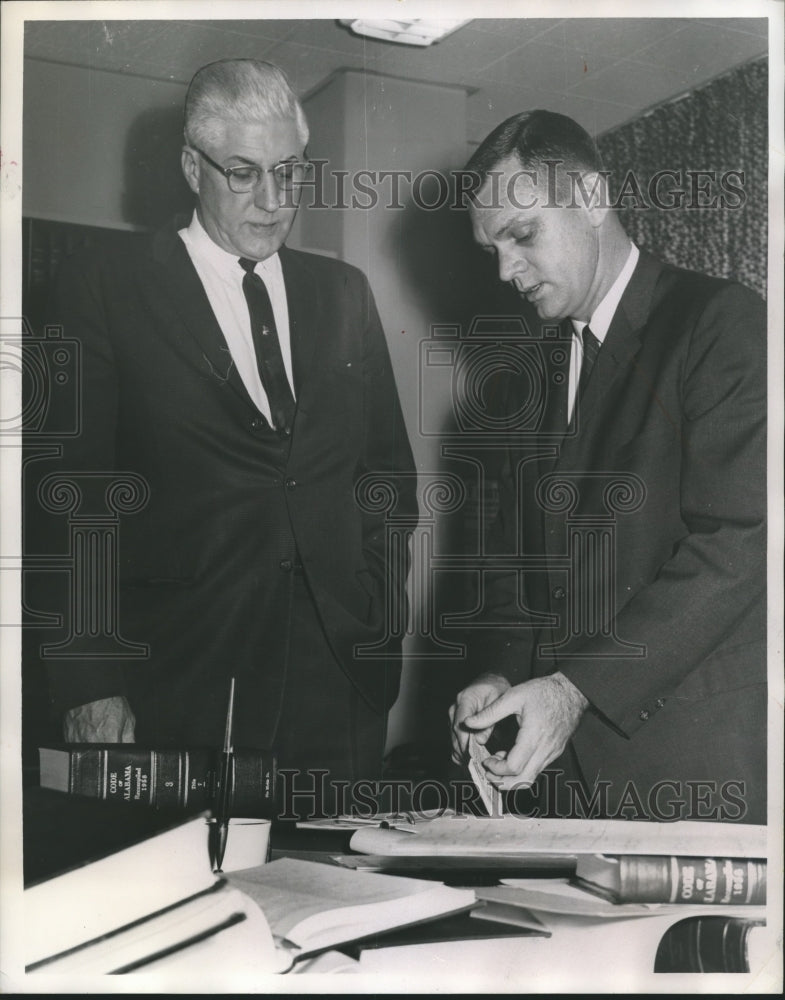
{"x": 159, "y": 936}
{"x": 311, "y": 907}
{"x": 96, "y": 898}
{"x": 161, "y": 778}
{"x": 304, "y": 909}
{"x": 154, "y": 905}
{"x": 709, "y": 943}
{"x": 157, "y": 906}
{"x": 674, "y": 879}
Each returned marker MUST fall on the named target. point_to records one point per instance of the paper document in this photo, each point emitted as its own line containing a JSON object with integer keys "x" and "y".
{"x": 488, "y": 835}
{"x": 490, "y": 795}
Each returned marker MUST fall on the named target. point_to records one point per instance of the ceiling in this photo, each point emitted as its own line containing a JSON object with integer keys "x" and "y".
{"x": 602, "y": 72}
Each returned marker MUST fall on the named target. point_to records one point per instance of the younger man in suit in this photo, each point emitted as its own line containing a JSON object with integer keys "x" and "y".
{"x": 250, "y": 387}
{"x": 636, "y": 662}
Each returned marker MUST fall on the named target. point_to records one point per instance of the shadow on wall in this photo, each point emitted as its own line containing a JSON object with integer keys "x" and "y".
{"x": 454, "y": 284}
{"x": 451, "y": 279}
{"x": 155, "y": 189}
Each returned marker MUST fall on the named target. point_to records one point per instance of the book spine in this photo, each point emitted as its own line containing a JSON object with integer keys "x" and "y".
{"x": 173, "y": 779}
{"x": 86, "y": 773}
{"x": 255, "y": 778}
{"x": 724, "y": 881}
{"x": 706, "y": 944}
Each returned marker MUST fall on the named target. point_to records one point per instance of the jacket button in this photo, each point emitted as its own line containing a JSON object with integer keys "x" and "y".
{"x": 286, "y": 565}
{"x": 290, "y": 483}
{"x": 659, "y": 702}
{"x": 558, "y": 593}
{"x": 644, "y": 715}
{"x": 256, "y": 423}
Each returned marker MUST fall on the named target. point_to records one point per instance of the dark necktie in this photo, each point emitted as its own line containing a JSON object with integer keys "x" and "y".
{"x": 268, "y": 349}
{"x": 591, "y": 348}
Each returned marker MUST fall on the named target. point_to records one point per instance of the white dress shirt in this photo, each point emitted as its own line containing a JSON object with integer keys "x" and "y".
{"x": 600, "y": 324}
{"x": 222, "y": 277}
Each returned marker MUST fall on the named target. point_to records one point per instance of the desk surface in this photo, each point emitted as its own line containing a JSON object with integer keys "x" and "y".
{"x": 62, "y": 831}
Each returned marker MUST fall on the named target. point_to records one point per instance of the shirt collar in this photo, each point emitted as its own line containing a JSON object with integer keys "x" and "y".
{"x": 198, "y": 241}
{"x": 603, "y": 315}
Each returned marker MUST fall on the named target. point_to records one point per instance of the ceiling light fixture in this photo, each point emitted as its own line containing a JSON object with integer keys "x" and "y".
{"x": 415, "y": 31}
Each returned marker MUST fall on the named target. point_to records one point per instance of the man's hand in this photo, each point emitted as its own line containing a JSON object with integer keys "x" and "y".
{"x": 473, "y": 699}
{"x": 548, "y": 710}
{"x": 109, "y": 720}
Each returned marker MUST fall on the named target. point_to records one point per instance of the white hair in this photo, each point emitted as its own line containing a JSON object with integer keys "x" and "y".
{"x": 241, "y": 91}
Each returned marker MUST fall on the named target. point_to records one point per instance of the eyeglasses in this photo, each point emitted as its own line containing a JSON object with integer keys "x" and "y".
{"x": 288, "y": 174}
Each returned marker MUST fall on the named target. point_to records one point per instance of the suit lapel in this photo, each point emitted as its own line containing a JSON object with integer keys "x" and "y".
{"x": 180, "y": 286}
{"x": 621, "y": 345}
{"x": 303, "y": 306}
{"x": 554, "y": 418}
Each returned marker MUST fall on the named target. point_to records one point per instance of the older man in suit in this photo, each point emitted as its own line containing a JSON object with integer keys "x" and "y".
{"x": 634, "y": 661}
{"x": 251, "y": 387}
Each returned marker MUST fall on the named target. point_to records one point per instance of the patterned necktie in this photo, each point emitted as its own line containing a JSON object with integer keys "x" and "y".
{"x": 268, "y": 349}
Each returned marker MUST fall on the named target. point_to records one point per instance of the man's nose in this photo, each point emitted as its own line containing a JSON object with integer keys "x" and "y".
{"x": 266, "y": 194}
{"x": 510, "y": 264}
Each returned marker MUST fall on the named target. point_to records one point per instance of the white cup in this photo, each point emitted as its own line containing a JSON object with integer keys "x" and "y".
{"x": 247, "y": 843}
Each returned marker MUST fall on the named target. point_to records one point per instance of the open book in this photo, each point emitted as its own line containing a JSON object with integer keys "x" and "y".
{"x": 157, "y": 906}
{"x": 311, "y": 906}
{"x": 64, "y": 913}
{"x": 153, "y": 906}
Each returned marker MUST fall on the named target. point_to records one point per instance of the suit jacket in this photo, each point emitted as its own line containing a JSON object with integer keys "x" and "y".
{"x": 651, "y": 510}
{"x": 206, "y": 568}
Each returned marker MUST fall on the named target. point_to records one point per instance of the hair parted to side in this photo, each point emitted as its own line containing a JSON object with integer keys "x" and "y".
{"x": 534, "y": 137}
{"x": 238, "y": 90}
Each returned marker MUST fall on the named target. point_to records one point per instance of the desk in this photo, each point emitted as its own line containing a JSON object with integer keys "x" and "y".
{"x": 618, "y": 955}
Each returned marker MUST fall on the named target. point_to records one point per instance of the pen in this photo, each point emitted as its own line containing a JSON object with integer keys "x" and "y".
{"x": 226, "y": 783}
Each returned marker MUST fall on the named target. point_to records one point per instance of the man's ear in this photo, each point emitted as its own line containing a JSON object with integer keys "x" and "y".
{"x": 594, "y": 196}
{"x": 189, "y": 163}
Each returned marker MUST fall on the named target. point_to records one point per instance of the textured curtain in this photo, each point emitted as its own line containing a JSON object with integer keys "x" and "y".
{"x": 690, "y": 177}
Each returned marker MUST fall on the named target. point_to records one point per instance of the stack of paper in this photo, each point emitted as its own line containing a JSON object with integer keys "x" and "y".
{"x": 471, "y": 836}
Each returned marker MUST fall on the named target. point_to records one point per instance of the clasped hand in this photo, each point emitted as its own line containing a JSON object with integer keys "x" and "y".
{"x": 547, "y": 710}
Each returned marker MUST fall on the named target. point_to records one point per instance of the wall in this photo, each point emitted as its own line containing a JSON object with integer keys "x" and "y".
{"x": 375, "y": 123}
{"x": 366, "y": 122}
{"x": 719, "y": 128}
{"x": 101, "y": 149}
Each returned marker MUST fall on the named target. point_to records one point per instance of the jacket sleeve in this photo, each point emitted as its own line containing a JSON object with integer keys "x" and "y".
{"x": 708, "y": 588}
{"x": 386, "y": 456}
{"x": 82, "y": 423}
